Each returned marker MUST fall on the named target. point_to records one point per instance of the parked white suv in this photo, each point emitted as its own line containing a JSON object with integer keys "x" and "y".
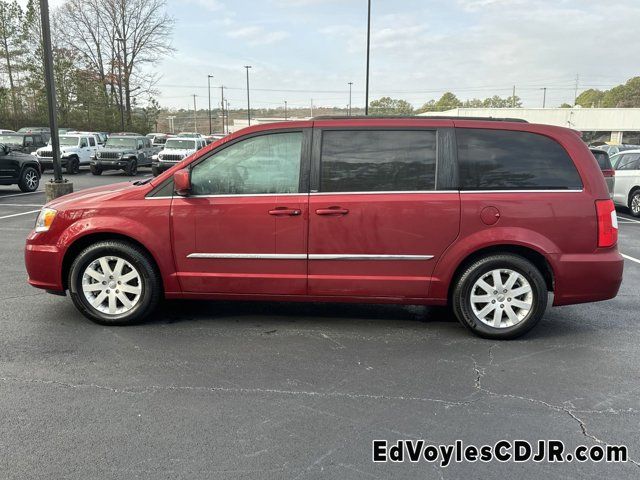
{"x": 175, "y": 150}
{"x": 626, "y": 192}
{"x": 75, "y": 150}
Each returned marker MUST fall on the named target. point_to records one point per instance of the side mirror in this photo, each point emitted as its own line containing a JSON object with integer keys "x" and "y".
{"x": 182, "y": 182}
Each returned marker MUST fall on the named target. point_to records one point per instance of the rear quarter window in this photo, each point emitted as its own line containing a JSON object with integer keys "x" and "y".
{"x": 513, "y": 160}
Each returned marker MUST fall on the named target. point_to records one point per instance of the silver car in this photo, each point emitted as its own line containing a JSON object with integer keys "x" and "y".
{"x": 604, "y": 162}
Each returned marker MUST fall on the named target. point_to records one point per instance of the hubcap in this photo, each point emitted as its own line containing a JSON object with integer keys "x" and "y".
{"x": 635, "y": 204}
{"x": 111, "y": 285}
{"x": 501, "y": 298}
{"x": 31, "y": 179}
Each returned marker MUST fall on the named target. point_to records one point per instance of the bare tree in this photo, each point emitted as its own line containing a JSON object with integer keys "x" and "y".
{"x": 11, "y": 43}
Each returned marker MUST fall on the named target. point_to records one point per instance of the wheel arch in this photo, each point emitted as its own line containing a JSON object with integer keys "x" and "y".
{"x": 632, "y": 190}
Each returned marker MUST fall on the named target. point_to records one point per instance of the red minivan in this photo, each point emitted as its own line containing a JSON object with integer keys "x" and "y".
{"x": 486, "y": 216}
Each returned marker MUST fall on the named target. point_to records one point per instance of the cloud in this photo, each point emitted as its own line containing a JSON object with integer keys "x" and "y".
{"x": 257, "y": 35}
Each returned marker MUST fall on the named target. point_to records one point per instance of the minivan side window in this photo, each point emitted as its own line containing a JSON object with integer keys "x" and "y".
{"x": 378, "y": 160}
{"x": 512, "y": 160}
{"x": 629, "y": 161}
{"x": 258, "y": 165}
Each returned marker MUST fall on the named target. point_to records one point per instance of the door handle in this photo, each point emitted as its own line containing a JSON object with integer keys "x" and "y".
{"x": 332, "y": 211}
{"x": 283, "y": 211}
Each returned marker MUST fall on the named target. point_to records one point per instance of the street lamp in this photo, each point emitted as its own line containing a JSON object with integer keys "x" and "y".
{"x": 195, "y": 115}
{"x": 209, "y": 77}
{"x": 120, "y": 40}
{"x": 248, "y": 100}
{"x": 544, "y": 97}
{"x": 222, "y": 106}
{"x": 350, "y": 85}
{"x": 366, "y": 106}
{"x": 285, "y": 110}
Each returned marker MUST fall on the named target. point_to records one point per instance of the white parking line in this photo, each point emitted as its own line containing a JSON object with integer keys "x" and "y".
{"x": 20, "y": 194}
{"x": 18, "y": 214}
{"x": 630, "y": 258}
{"x": 20, "y": 205}
{"x": 627, "y": 219}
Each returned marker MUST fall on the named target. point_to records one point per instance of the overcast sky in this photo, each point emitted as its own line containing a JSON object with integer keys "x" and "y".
{"x": 303, "y": 49}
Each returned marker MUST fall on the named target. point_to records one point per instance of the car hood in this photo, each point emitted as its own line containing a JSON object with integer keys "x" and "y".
{"x": 175, "y": 151}
{"x": 123, "y": 151}
{"x": 93, "y": 195}
{"x": 17, "y": 155}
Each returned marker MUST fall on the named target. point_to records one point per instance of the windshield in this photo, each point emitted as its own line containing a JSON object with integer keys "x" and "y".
{"x": 176, "y": 144}
{"x": 119, "y": 142}
{"x": 67, "y": 141}
{"x": 11, "y": 139}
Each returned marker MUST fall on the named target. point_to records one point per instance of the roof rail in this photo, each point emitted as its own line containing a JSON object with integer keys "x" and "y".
{"x": 416, "y": 117}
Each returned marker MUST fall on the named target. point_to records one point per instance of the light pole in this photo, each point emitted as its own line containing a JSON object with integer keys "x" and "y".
{"x": 226, "y": 107}
{"x": 209, "y": 77}
{"x": 366, "y": 107}
{"x": 58, "y": 187}
{"x": 195, "y": 115}
{"x": 120, "y": 40}
{"x": 170, "y": 119}
{"x": 544, "y": 96}
{"x": 248, "y": 100}
{"x": 222, "y": 105}
{"x": 350, "y": 85}
{"x": 285, "y": 110}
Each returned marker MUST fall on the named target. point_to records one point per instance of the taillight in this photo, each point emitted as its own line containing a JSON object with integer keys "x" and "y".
{"x": 609, "y": 173}
{"x": 607, "y": 223}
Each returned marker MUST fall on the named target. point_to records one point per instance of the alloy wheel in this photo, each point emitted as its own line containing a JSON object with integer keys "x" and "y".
{"x": 635, "y": 204}
{"x": 31, "y": 179}
{"x": 501, "y": 298}
{"x": 112, "y": 285}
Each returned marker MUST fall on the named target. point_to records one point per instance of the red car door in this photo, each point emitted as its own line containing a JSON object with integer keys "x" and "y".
{"x": 383, "y": 208}
{"x": 243, "y": 229}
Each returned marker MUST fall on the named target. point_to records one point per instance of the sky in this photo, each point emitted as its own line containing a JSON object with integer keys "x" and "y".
{"x": 301, "y": 50}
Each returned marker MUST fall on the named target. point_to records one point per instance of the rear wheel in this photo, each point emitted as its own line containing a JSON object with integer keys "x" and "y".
{"x": 29, "y": 180}
{"x": 634, "y": 203}
{"x": 155, "y": 170}
{"x": 500, "y": 296}
{"x": 114, "y": 283}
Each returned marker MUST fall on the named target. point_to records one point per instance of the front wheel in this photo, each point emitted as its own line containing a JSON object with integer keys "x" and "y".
{"x": 73, "y": 166}
{"x": 29, "y": 180}
{"x": 155, "y": 170}
{"x": 114, "y": 283}
{"x": 132, "y": 167}
{"x": 500, "y": 296}
{"x": 95, "y": 170}
{"x": 634, "y": 203}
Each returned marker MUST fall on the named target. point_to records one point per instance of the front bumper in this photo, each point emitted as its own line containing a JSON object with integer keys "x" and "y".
{"x": 581, "y": 278}
{"x": 47, "y": 162}
{"x": 110, "y": 164}
{"x": 163, "y": 166}
{"x": 44, "y": 264}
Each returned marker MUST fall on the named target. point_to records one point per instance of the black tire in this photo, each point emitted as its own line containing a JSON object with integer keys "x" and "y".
{"x": 634, "y": 208}
{"x": 151, "y": 283}
{"x": 29, "y": 179}
{"x": 73, "y": 166}
{"x": 461, "y": 298}
{"x": 132, "y": 168}
{"x": 95, "y": 170}
{"x": 155, "y": 170}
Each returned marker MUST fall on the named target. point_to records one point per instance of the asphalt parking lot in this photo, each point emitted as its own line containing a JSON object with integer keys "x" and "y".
{"x": 262, "y": 390}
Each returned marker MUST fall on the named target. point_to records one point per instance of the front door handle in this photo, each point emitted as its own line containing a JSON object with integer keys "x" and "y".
{"x": 332, "y": 211}
{"x": 284, "y": 211}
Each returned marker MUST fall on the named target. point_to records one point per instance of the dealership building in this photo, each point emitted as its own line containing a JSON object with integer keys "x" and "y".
{"x": 611, "y": 125}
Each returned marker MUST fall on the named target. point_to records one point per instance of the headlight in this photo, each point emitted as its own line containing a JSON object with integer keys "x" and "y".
{"x": 45, "y": 219}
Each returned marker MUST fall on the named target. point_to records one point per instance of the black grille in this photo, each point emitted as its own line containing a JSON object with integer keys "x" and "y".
{"x": 113, "y": 155}
{"x": 171, "y": 157}
{"x": 46, "y": 153}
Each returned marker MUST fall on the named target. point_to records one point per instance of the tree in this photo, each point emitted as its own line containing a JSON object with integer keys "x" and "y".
{"x": 447, "y": 102}
{"x": 590, "y": 98}
{"x": 11, "y": 44}
{"x": 429, "y": 106}
{"x": 391, "y": 106}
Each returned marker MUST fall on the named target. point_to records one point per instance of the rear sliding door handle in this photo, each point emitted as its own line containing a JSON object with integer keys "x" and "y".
{"x": 332, "y": 211}
{"x": 284, "y": 211}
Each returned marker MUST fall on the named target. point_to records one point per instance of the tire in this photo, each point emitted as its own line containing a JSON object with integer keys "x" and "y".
{"x": 29, "y": 180}
{"x": 95, "y": 170}
{"x": 132, "y": 168}
{"x": 137, "y": 273}
{"x": 515, "y": 320}
{"x": 634, "y": 203}
{"x": 73, "y": 166}
{"x": 155, "y": 170}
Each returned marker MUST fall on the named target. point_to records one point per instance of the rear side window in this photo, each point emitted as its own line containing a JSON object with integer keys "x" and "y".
{"x": 603, "y": 160}
{"x": 629, "y": 161}
{"x": 511, "y": 160}
{"x": 376, "y": 161}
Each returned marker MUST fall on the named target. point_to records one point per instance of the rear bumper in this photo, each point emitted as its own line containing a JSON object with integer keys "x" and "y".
{"x": 581, "y": 278}
{"x": 44, "y": 264}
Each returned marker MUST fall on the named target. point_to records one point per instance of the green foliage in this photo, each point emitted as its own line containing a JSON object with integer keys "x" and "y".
{"x": 390, "y": 106}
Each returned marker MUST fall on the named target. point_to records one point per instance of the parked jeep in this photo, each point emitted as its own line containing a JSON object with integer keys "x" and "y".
{"x": 123, "y": 152}
{"x": 75, "y": 151}
{"x": 18, "y": 168}
{"x": 23, "y": 142}
{"x": 175, "y": 150}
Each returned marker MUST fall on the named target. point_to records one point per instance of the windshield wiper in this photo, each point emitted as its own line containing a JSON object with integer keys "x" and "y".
{"x": 143, "y": 182}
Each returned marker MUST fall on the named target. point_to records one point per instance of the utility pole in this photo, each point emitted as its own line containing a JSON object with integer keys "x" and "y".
{"x": 222, "y": 105}
{"x": 248, "y": 100}
{"x": 170, "y": 119}
{"x": 226, "y": 104}
{"x": 513, "y": 98}
{"x": 209, "y": 77}
{"x": 575, "y": 97}
{"x": 285, "y": 110}
{"x": 544, "y": 97}
{"x": 195, "y": 115}
{"x": 366, "y": 106}
{"x": 59, "y": 186}
{"x": 349, "y": 109}
{"x": 312, "y": 108}
{"x": 120, "y": 40}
